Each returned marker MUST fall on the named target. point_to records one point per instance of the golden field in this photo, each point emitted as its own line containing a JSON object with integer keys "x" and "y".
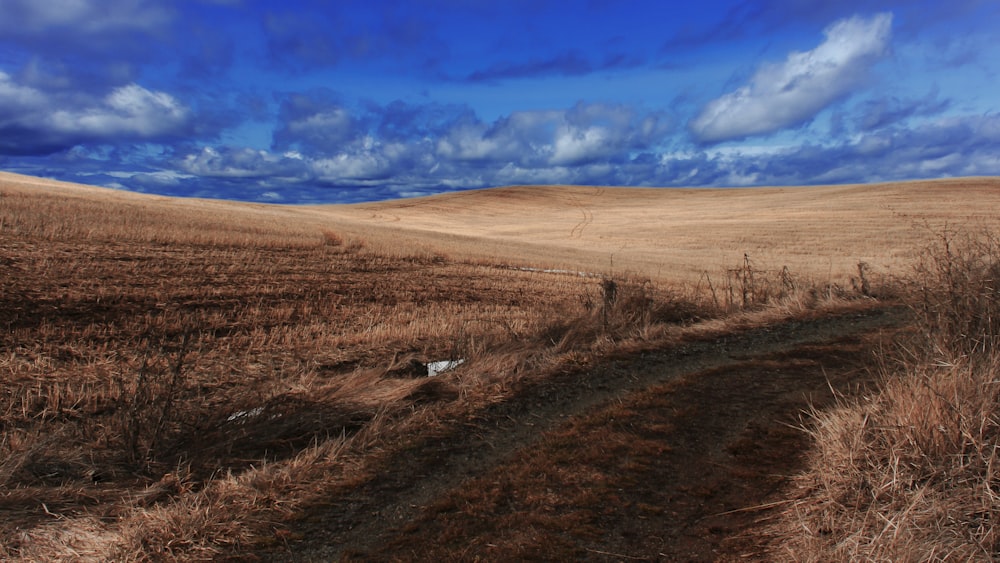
{"x": 190, "y": 379}
{"x": 672, "y": 234}
{"x": 669, "y": 234}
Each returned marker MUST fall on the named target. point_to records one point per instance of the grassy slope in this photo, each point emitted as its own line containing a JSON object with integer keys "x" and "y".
{"x": 98, "y": 283}
{"x": 667, "y": 234}
{"x": 681, "y": 233}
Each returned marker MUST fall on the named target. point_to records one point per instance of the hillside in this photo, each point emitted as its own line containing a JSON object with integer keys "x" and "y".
{"x": 682, "y": 233}
{"x": 668, "y": 234}
{"x": 194, "y": 379}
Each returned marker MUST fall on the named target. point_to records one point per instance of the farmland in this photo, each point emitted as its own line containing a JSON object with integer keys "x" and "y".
{"x": 190, "y": 379}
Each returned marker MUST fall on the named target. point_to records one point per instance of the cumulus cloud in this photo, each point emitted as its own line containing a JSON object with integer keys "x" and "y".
{"x": 399, "y": 139}
{"x": 603, "y": 132}
{"x": 522, "y": 137}
{"x": 790, "y": 93}
{"x": 375, "y": 151}
{"x": 400, "y": 146}
{"x": 37, "y": 122}
{"x": 359, "y": 166}
{"x": 582, "y": 134}
{"x": 365, "y": 164}
{"x": 23, "y": 115}
{"x": 128, "y": 112}
{"x": 231, "y": 162}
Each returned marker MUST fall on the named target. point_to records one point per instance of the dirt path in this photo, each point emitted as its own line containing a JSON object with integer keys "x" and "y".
{"x": 700, "y": 431}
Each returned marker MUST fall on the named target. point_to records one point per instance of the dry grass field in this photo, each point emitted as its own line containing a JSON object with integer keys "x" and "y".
{"x": 823, "y": 232}
{"x": 190, "y": 380}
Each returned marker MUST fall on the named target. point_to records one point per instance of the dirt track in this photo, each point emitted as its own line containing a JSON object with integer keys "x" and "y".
{"x": 690, "y": 438}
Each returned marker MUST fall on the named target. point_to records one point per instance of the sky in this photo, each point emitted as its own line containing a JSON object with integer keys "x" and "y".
{"x": 309, "y": 101}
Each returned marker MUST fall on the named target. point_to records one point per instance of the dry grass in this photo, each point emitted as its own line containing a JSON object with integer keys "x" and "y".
{"x": 820, "y": 232}
{"x": 183, "y": 377}
{"x": 180, "y": 376}
{"x": 912, "y": 473}
{"x": 174, "y": 367}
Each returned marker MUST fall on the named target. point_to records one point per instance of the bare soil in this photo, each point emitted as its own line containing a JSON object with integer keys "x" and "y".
{"x": 673, "y": 454}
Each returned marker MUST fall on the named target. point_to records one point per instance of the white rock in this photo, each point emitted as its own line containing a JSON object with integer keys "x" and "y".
{"x": 434, "y": 368}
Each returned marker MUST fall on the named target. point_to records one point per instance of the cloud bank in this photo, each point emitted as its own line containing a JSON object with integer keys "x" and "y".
{"x": 583, "y": 144}
{"x": 403, "y": 147}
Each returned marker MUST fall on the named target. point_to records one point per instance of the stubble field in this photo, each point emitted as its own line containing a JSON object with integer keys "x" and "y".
{"x": 190, "y": 379}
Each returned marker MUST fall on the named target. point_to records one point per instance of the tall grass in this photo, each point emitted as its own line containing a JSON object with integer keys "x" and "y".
{"x": 956, "y": 296}
{"x": 913, "y": 472}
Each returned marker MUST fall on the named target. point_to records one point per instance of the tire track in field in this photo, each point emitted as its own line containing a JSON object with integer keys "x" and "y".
{"x": 368, "y": 517}
{"x": 587, "y": 216}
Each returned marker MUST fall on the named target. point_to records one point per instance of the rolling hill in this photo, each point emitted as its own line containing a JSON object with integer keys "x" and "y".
{"x": 681, "y": 233}
{"x": 197, "y": 379}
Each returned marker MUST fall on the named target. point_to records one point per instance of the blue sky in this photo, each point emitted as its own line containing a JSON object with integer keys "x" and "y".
{"x": 311, "y": 101}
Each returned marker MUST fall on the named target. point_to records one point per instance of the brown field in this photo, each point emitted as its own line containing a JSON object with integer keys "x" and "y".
{"x": 191, "y": 379}
{"x": 682, "y": 233}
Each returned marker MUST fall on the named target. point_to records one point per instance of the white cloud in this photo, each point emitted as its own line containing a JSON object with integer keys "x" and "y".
{"x": 127, "y": 111}
{"x": 786, "y": 94}
{"x": 40, "y": 122}
{"x": 582, "y": 134}
{"x": 573, "y": 145}
{"x": 15, "y": 99}
{"x": 362, "y": 166}
{"x": 467, "y": 142}
{"x": 438, "y": 145}
{"x": 241, "y": 163}
{"x": 522, "y": 137}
